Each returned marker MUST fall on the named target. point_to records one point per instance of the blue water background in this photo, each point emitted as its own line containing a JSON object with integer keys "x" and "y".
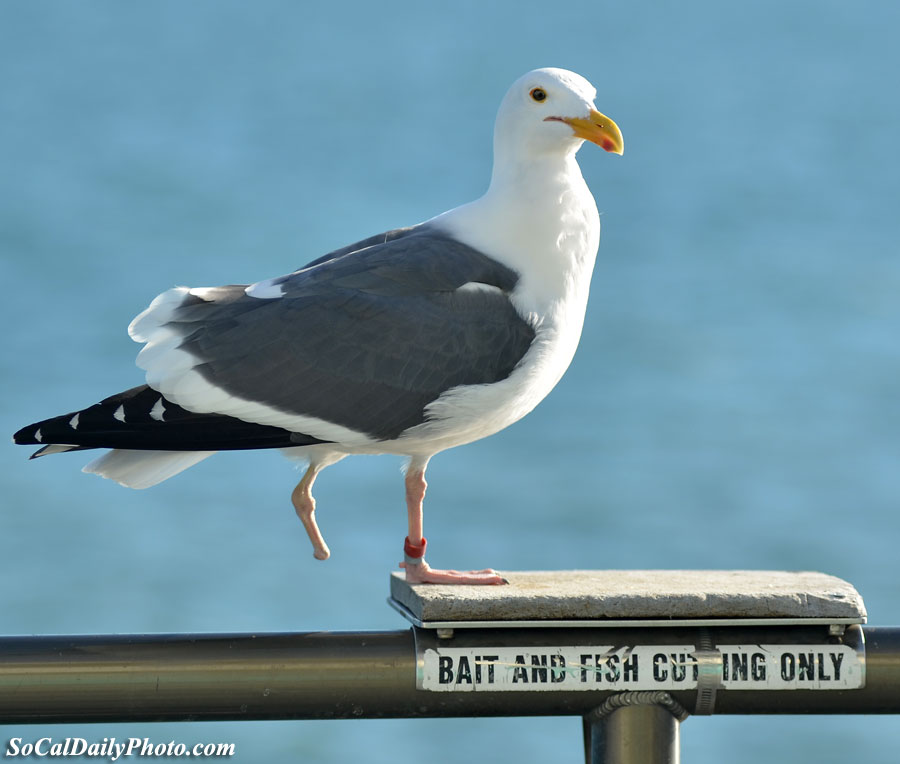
{"x": 733, "y": 403}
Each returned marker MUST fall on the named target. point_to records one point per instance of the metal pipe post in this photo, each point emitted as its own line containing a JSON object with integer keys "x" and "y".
{"x": 634, "y": 728}
{"x": 644, "y": 734}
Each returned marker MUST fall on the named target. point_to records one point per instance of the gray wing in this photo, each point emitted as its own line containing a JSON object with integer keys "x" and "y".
{"x": 363, "y": 337}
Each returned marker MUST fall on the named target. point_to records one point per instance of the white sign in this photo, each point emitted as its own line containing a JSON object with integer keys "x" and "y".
{"x": 639, "y": 667}
{"x": 791, "y": 667}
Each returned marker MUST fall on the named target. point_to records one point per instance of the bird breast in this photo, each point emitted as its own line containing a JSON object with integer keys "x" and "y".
{"x": 550, "y": 240}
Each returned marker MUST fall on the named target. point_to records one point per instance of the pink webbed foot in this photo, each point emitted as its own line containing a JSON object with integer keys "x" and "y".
{"x": 423, "y": 573}
{"x": 420, "y": 572}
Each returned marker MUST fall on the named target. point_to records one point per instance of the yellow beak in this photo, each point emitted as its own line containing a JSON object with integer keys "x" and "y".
{"x": 597, "y": 128}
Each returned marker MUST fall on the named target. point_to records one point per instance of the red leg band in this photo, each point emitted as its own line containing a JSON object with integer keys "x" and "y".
{"x": 414, "y": 551}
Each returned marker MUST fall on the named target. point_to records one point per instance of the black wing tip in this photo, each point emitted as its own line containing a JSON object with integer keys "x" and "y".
{"x": 55, "y": 448}
{"x": 26, "y": 436}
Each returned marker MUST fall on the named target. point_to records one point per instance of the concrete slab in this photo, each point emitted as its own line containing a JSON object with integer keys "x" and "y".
{"x": 636, "y": 595}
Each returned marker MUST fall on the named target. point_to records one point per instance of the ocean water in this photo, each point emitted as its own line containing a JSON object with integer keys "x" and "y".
{"x": 733, "y": 403}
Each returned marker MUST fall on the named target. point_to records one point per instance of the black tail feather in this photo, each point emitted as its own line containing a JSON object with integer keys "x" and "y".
{"x": 143, "y": 419}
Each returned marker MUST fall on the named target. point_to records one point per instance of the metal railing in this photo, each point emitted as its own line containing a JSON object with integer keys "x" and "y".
{"x": 326, "y": 675}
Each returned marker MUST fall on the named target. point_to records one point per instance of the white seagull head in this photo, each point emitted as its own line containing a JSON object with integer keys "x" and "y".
{"x": 551, "y": 112}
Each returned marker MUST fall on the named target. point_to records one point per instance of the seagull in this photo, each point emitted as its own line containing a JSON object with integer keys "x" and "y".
{"x": 409, "y": 342}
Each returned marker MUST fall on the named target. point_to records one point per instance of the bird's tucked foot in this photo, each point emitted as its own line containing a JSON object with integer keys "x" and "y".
{"x": 305, "y": 506}
{"x": 420, "y": 572}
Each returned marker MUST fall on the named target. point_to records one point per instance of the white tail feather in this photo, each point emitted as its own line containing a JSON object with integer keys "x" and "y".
{"x": 142, "y": 469}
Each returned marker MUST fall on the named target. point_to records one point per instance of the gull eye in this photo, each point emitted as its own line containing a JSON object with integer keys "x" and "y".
{"x": 538, "y": 94}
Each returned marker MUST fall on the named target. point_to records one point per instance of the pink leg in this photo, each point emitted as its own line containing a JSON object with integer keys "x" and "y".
{"x": 417, "y": 570}
{"x": 305, "y": 506}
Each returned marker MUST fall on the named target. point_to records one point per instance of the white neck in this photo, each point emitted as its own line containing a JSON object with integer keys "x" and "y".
{"x": 539, "y": 218}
